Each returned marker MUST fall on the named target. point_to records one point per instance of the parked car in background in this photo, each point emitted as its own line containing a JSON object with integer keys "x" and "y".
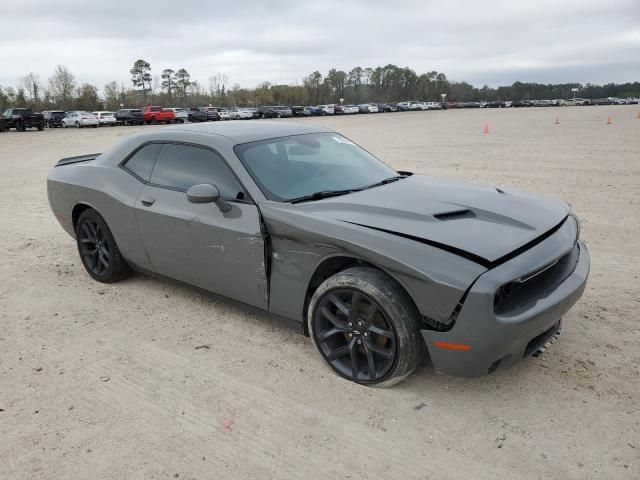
{"x": 601, "y": 101}
{"x": 255, "y": 112}
{"x": 80, "y": 119}
{"x": 22, "y": 118}
{"x": 284, "y": 111}
{"x": 267, "y": 111}
{"x": 542, "y": 103}
{"x": 193, "y": 115}
{"x": 129, "y": 116}
{"x": 387, "y": 107}
{"x": 494, "y": 104}
{"x": 300, "y": 111}
{"x": 451, "y": 105}
{"x": 566, "y": 103}
{"x": 2, "y": 124}
{"x": 53, "y": 118}
{"x": 434, "y": 106}
{"x": 471, "y": 105}
{"x": 367, "y": 108}
{"x": 223, "y": 113}
{"x": 240, "y": 114}
{"x": 327, "y": 109}
{"x": 155, "y": 114}
{"x": 582, "y": 101}
{"x": 521, "y": 103}
{"x": 105, "y": 118}
{"x": 349, "y": 109}
{"x": 211, "y": 112}
{"x": 180, "y": 114}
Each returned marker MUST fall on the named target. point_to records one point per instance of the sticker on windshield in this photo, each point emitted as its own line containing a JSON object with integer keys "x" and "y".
{"x": 342, "y": 140}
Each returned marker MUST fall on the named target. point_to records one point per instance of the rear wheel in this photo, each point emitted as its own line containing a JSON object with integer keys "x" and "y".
{"x": 366, "y": 327}
{"x": 78, "y": 125}
{"x": 98, "y": 250}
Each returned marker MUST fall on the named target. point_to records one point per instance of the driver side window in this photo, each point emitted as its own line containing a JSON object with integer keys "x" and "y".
{"x": 182, "y": 166}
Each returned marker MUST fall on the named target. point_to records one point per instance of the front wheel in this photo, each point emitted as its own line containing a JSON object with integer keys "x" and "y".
{"x": 366, "y": 327}
{"x": 98, "y": 250}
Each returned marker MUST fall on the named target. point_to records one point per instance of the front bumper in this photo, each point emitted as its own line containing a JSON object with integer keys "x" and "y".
{"x": 501, "y": 340}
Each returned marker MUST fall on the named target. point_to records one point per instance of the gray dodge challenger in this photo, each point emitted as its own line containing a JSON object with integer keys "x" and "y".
{"x": 382, "y": 269}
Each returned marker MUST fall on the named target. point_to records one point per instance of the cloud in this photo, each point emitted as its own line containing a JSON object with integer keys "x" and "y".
{"x": 493, "y": 43}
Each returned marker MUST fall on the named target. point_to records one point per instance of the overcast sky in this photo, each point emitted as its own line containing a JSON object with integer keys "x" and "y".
{"x": 494, "y": 42}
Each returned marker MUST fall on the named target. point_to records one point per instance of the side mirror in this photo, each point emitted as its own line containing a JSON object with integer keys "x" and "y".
{"x": 206, "y": 193}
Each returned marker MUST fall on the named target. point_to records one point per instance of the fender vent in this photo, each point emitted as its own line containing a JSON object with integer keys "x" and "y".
{"x": 457, "y": 215}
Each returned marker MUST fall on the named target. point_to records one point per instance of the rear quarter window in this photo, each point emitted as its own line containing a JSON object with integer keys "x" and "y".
{"x": 142, "y": 162}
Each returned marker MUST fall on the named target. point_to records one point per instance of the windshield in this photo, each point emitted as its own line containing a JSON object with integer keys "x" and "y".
{"x": 288, "y": 168}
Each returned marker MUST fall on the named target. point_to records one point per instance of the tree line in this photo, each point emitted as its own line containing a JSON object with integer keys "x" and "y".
{"x": 175, "y": 87}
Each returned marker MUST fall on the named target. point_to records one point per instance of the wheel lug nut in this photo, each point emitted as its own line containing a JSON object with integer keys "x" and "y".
{"x": 351, "y": 334}
{"x": 366, "y": 334}
{"x": 350, "y": 324}
{"x": 359, "y": 341}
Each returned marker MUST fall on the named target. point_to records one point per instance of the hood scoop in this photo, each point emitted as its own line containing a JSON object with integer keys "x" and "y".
{"x": 455, "y": 215}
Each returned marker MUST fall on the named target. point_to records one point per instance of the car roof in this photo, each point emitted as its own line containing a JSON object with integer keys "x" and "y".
{"x": 244, "y": 132}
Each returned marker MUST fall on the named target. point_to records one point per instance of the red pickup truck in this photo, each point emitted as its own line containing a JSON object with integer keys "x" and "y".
{"x": 158, "y": 115}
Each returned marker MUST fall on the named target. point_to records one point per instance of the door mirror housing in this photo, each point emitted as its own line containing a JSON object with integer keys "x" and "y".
{"x": 207, "y": 193}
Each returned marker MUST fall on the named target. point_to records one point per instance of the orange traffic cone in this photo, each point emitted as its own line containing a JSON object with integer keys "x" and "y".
{"x": 609, "y": 122}
{"x": 557, "y": 121}
{"x": 638, "y": 114}
{"x": 486, "y": 128}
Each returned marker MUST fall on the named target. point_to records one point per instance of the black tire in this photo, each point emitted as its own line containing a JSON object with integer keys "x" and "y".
{"x": 386, "y": 343}
{"x": 40, "y": 128}
{"x": 78, "y": 125}
{"x": 98, "y": 250}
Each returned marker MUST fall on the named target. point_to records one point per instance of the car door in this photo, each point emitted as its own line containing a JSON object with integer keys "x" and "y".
{"x": 222, "y": 252}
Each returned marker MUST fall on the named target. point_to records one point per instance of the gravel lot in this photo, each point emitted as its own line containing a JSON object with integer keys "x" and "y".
{"x": 105, "y": 381}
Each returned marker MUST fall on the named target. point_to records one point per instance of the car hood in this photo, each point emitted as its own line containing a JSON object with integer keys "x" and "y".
{"x": 479, "y": 222}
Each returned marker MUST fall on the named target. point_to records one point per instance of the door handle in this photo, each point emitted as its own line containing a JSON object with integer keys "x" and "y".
{"x": 147, "y": 201}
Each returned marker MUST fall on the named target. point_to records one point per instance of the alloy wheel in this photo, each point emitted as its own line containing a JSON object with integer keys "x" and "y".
{"x": 94, "y": 247}
{"x": 354, "y": 335}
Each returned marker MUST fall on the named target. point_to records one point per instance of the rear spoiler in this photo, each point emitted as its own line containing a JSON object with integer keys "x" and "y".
{"x": 78, "y": 159}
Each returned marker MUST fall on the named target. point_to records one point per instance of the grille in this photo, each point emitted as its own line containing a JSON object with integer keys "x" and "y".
{"x": 536, "y": 284}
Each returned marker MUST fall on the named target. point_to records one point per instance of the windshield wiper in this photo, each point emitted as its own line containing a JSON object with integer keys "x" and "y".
{"x": 323, "y": 194}
{"x": 385, "y": 181}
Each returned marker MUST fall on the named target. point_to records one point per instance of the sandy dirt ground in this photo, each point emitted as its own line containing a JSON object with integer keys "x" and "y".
{"x": 104, "y": 381}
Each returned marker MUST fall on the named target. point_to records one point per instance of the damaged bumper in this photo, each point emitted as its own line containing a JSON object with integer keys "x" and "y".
{"x": 485, "y": 338}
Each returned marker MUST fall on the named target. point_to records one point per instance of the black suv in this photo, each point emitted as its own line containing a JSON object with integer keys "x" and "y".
{"x": 211, "y": 112}
{"x": 196, "y": 115}
{"x": 129, "y": 116}
{"x": 53, "y": 118}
